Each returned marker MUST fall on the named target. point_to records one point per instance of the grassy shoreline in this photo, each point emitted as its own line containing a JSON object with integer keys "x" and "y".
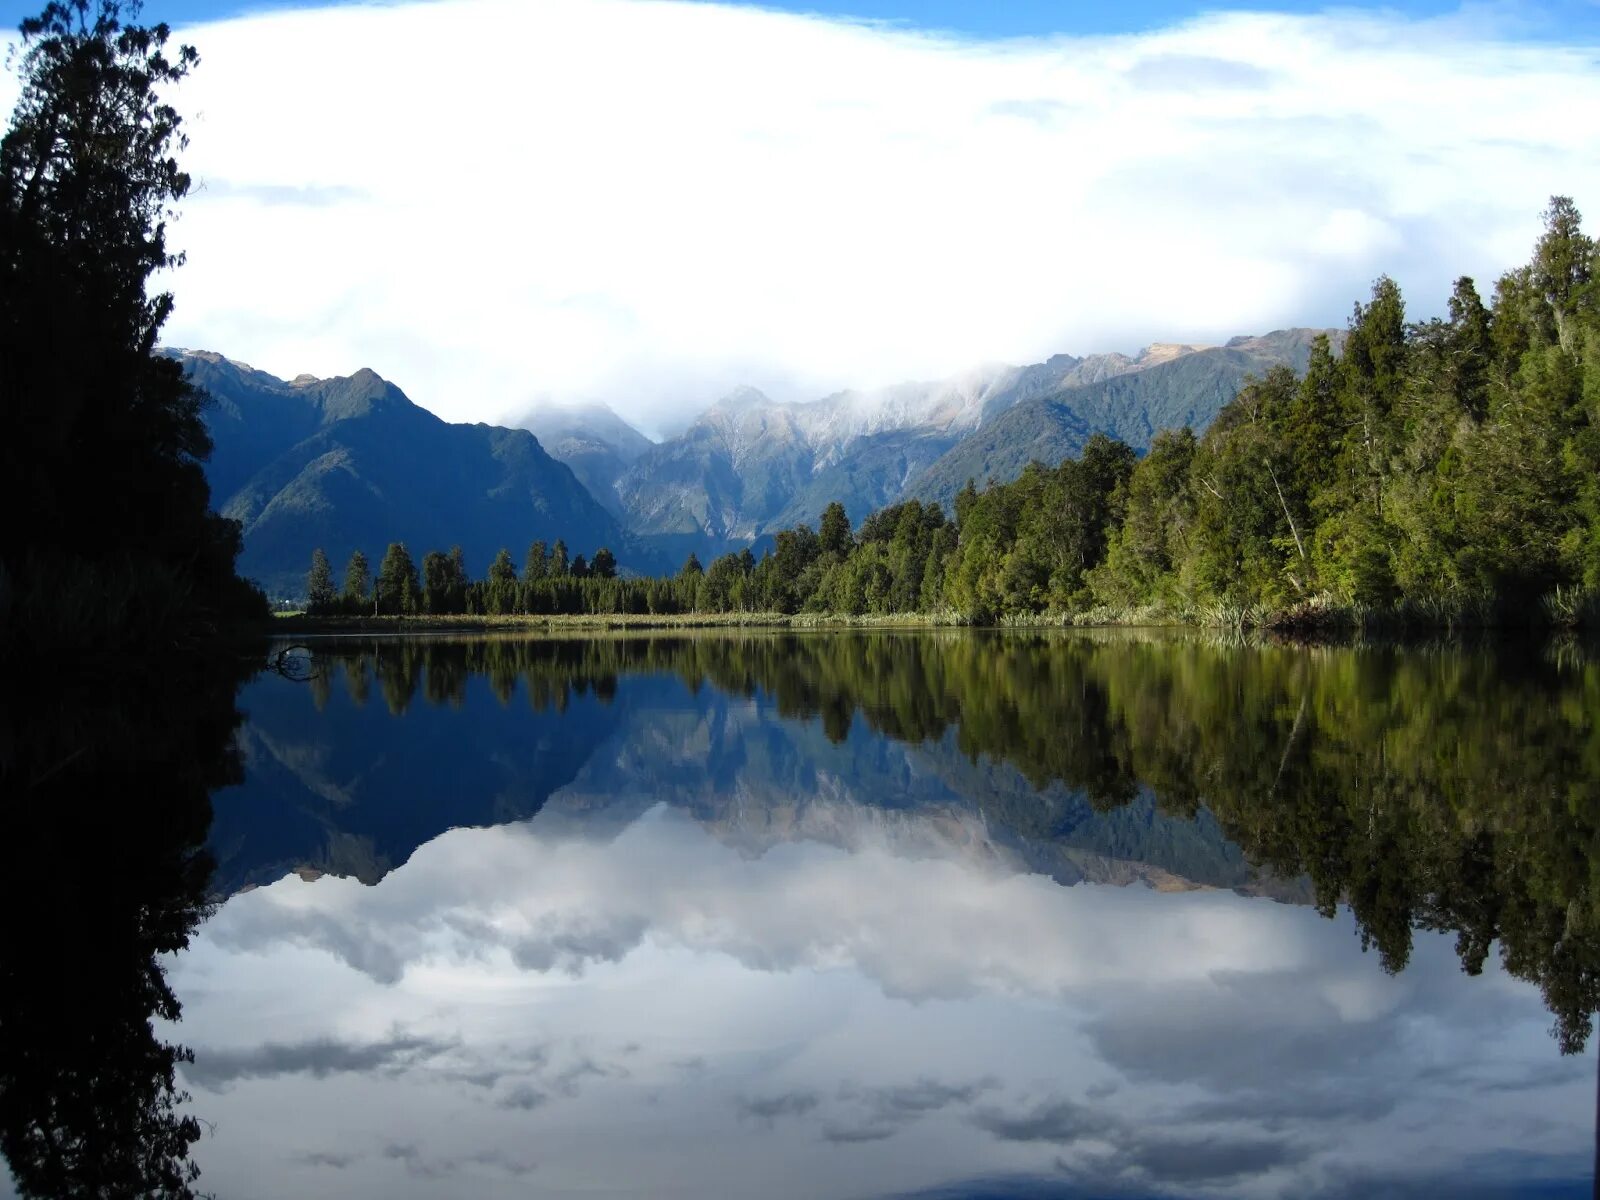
{"x": 432, "y": 623}
{"x": 1314, "y": 620}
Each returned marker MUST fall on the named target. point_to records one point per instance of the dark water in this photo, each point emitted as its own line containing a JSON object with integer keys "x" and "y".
{"x": 824, "y": 915}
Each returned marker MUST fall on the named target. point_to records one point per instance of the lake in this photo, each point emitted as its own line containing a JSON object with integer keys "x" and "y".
{"x": 834, "y": 914}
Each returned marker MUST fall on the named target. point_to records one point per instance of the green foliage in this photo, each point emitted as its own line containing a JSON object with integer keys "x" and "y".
{"x": 397, "y": 589}
{"x": 320, "y": 596}
{"x": 357, "y": 582}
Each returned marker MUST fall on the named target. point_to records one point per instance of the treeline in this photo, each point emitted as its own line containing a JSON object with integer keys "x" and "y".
{"x": 550, "y": 582}
{"x": 1434, "y": 472}
{"x": 1439, "y": 471}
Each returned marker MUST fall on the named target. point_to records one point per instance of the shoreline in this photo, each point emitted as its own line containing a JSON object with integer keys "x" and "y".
{"x": 1329, "y": 624}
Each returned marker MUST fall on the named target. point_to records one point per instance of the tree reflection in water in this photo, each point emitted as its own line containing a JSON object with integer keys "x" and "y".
{"x": 1444, "y": 788}
{"x": 107, "y": 787}
{"x": 1453, "y": 789}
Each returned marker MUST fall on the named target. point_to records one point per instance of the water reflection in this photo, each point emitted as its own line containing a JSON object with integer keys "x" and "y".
{"x": 1440, "y": 789}
{"x": 106, "y": 783}
{"x": 783, "y": 915}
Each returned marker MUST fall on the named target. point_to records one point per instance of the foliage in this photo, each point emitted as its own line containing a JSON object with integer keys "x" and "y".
{"x": 104, "y": 437}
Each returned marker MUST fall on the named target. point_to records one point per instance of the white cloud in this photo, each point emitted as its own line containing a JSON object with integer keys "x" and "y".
{"x": 646, "y": 202}
{"x": 814, "y": 1023}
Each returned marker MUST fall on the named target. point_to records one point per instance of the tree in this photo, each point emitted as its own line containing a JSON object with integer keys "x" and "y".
{"x": 1563, "y": 265}
{"x": 357, "y": 581}
{"x": 537, "y": 565}
{"x": 835, "y": 531}
{"x": 319, "y": 583}
{"x": 436, "y": 582}
{"x": 502, "y": 583}
{"x": 559, "y": 565}
{"x": 691, "y": 567}
{"x": 397, "y": 590}
{"x": 604, "y": 565}
{"x": 104, "y": 437}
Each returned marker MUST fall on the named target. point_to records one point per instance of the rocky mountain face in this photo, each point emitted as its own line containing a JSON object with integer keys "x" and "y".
{"x": 597, "y": 444}
{"x": 1165, "y": 387}
{"x": 750, "y": 465}
{"x": 350, "y": 463}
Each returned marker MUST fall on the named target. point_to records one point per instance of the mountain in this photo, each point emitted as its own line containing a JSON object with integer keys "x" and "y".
{"x": 1166, "y": 387}
{"x": 350, "y": 463}
{"x": 591, "y": 439}
{"x": 605, "y": 733}
{"x": 750, "y": 465}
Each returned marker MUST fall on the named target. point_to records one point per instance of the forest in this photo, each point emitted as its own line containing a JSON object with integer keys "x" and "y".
{"x": 1430, "y": 473}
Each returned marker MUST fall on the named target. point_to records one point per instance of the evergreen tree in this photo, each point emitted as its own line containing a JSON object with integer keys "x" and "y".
{"x": 559, "y": 565}
{"x": 537, "y": 565}
{"x": 319, "y": 583}
{"x": 835, "y": 530}
{"x": 502, "y": 581}
{"x": 604, "y": 565}
{"x": 357, "y": 582}
{"x": 397, "y": 589}
{"x": 104, "y": 438}
{"x": 436, "y": 583}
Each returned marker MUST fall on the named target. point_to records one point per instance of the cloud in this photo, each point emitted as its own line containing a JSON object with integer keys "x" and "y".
{"x": 1059, "y": 1121}
{"x": 768, "y": 1109}
{"x": 798, "y": 1005}
{"x": 650, "y": 202}
{"x": 572, "y": 906}
{"x": 320, "y": 1057}
{"x": 1120, "y": 1150}
{"x": 890, "y": 1109}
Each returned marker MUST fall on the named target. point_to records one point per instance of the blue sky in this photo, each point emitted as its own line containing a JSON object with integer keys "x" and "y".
{"x": 1554, "y": 20}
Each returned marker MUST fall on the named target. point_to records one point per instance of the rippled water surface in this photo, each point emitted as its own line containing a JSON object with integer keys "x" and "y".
{"x": 912, "y": 914}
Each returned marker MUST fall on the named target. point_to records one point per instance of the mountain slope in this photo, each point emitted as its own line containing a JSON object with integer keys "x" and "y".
{"x": 1187, "y": 386}
{"x": 597, "y": 444}
{"x": 750, "y": 465}
{"x": 351, "y": 463}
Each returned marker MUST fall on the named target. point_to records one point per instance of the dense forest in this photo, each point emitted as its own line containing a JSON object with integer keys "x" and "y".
{"x": 1435, "y": 473}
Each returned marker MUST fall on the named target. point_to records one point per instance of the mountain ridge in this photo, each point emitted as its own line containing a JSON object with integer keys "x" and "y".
{"x": 351, "y": 463}
{"x": 749, "y": 465}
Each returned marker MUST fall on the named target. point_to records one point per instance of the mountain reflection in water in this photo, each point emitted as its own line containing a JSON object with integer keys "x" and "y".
{"x": 783, "y": 914}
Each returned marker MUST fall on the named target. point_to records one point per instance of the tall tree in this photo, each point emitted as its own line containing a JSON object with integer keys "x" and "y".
{"x": 835, "y": 530}
{"x": 104, "y": 438}
{"x": 604, "y": 565}
{"x": 537, "y": 564}
{"x": 397, "y": 589}
{"x": 502, "y": 583}
{"x": 319, "y": 583}
{"x": 357, "y": 581}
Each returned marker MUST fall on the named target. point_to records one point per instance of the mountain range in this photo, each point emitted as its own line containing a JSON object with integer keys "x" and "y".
{"x": 350, "y": 462}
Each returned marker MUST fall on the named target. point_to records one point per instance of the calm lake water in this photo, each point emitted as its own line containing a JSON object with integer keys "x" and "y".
{"x": 911, "y": 914}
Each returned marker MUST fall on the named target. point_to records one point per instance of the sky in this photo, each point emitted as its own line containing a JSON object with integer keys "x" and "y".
{"x": 504, "y": 203}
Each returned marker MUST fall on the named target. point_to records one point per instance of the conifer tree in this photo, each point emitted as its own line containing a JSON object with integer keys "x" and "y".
{"x": 397, "y": 588}
{"x": 357, "y": 581}
{"x": 319, "y": 583}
